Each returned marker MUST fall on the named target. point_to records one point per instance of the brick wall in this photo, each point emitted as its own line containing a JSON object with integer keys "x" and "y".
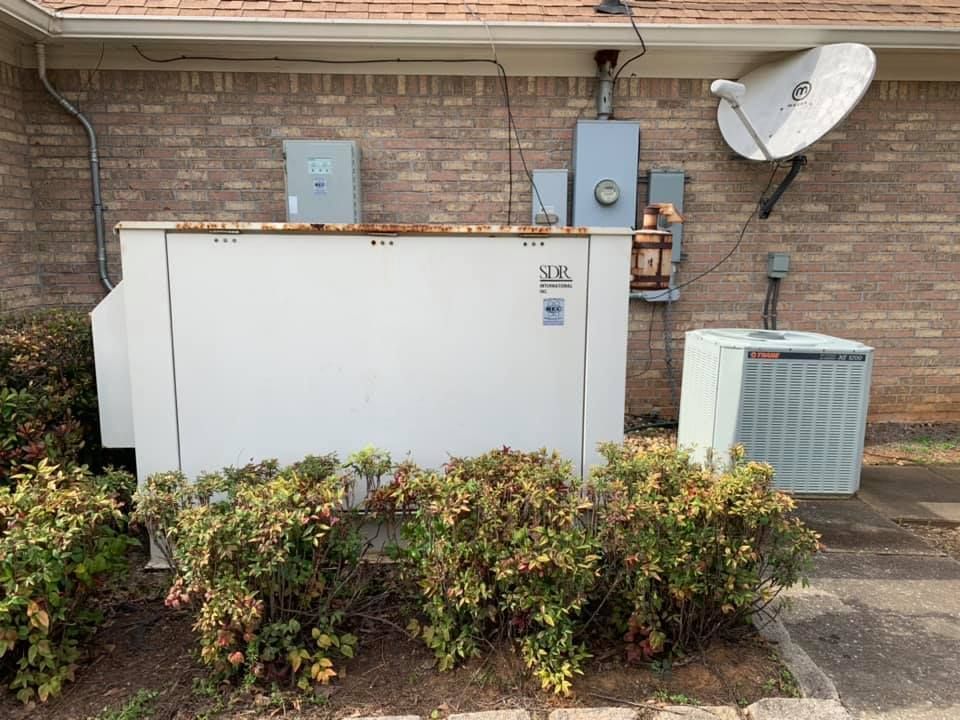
{"x": 19, "y": 279}
{"x": 871, "y": 224}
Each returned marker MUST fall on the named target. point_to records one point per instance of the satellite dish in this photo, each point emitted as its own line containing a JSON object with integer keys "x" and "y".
{"x": 780, "y": 109}
{"x": 786, "y": 106}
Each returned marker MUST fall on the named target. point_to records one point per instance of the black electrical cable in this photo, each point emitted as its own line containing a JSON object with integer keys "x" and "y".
{"x": 773, "y": 303}
{"x": 643, "y": 45}
{"x": 649, "y": 363}
{"x": 735, "y": 247}
{"x": 765, "y": 313}
{"x": 93, "y": 73}
{"x": 668, "y": 352}
{"x": 501, "y": 71}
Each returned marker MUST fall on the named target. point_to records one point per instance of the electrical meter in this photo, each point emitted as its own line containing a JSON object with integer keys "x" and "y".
{"x": 607, "y": 192}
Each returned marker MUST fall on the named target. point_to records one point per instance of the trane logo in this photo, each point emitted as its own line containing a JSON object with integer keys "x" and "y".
{"x": 757, "y": 355}
{"x": 555, "y": 273}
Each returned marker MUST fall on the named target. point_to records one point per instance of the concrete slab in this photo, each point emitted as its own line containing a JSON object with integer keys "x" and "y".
{"x": 886, "y": 629}
{"x": 912, "y": 493}
{"x": 689, "y": 712}
{"x": 492, "y": 715}
{"x": 793, "y": 709}
{"x": 594, "y": 713}
{"x": 951, "y": 472}
{"x": 853, "y": 526}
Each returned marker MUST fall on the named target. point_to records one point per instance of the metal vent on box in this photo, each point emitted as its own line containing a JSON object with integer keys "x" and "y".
{"x": 795, "y": 400}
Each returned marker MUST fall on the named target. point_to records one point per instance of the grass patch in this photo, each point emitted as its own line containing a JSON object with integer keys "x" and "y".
{"x": 139, "y": 707}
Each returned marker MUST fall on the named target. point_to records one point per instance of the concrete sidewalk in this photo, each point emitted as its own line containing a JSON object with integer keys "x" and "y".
{"x": 882, "y": 613}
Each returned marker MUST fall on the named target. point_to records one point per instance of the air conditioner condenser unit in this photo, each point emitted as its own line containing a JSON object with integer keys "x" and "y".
{"x": 796, "y": 400}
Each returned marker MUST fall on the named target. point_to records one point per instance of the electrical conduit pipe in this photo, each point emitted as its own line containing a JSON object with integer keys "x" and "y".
{"x": 94, "y": 164}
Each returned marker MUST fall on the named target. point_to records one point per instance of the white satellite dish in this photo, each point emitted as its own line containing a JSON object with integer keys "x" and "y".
{"x": 780, "y": 109}
{"x": 791, "y": 104}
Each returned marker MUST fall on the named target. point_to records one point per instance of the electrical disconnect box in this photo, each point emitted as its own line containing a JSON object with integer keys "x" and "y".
{"x": 778, "y": 265}
{"x": 322, "y": 181}
{"x": 605, "y": 157}
{"x": 666, "y": 186}
{"x": 550, "y": 190}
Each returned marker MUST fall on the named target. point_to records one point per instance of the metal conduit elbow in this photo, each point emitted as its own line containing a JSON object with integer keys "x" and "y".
{"x": 94, "y": 164}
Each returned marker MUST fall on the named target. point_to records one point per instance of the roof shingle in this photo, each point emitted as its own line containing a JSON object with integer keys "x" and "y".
{"x": 912, "y": 13}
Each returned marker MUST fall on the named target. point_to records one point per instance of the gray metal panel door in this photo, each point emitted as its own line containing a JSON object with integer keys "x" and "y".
{"x": 605, "y": 150}
{"x": 322, "y": 180}
{"x": 666, "y": 186}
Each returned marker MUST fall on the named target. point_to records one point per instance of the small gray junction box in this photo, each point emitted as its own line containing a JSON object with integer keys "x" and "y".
{"x": 322, "y": 181}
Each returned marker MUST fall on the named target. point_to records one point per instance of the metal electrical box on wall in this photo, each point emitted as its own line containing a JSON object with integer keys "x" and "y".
{"x": 550, "y": 188}
{"x": 666, "y": 186}
{"x": 605, "y": 157}
{"x": 322, "y": 181}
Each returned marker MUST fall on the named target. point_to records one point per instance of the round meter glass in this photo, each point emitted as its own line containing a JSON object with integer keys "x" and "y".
{"x": 607, "y": 192}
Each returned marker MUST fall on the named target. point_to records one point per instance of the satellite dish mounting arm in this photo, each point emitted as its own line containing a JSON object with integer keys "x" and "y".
{"x": 766, "y": 206}
{"x": 732, "y": 92}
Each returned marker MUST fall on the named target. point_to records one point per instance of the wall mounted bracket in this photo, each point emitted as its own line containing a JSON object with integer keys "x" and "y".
{"x": 767, "y": 205}
{"x": 611, "y": 7}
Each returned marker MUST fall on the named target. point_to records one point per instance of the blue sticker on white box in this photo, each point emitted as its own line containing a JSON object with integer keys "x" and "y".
{"x": 553, "y": 311}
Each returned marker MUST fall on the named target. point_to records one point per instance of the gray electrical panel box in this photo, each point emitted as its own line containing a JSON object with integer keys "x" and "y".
{"x": 666, "y": 186}
{"x": 550, "y": 188}
{"x": 778, "y": 264}
{"x": 605, "y": 157}
{"x": 322, "y": 181}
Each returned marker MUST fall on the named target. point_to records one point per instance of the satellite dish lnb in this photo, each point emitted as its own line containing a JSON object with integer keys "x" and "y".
{"x": 780, "y": 109}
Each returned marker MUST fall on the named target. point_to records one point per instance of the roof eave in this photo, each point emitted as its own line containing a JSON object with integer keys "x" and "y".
{"x": 39, "y": 23}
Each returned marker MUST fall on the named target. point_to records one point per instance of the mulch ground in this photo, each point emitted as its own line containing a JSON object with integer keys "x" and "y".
{"x": 145, "y": 646}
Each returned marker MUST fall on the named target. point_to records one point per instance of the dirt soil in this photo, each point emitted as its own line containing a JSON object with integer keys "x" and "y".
{"x": 152, "y": 648}
{"x": 942, "y": 537}
{"x": 145, "y": 646}
{"x": 912, "y": 444}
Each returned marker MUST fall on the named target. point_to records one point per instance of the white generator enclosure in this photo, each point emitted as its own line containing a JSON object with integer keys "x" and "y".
{"x": 796, "y": 400}
{"x": 259, "y": 341}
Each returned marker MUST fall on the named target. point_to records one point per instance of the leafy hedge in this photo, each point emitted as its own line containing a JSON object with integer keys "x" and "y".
{"x": 271, "y": 559}
{"x": 48, "y": 399}
{"x": 690, "y": 552}
{"x": 61, "y": 538}
{"x": 506, "y": 545}
{"x": 496, "y": 549}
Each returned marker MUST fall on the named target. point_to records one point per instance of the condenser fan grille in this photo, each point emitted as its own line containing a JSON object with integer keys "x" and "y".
{"x": 803, "y": 417}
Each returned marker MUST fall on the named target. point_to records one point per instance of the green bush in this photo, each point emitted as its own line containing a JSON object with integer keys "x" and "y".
{"x": 60, "y": 539}
{"x": 48, "y": 398}
{"x": 690, "y": 552}
{"x": 271, "y": 559}
{"x": 496, "y": 550}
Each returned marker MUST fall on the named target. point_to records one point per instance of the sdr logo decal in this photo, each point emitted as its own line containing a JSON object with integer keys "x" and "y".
{"x": 555, "y": 273}
{"x": 555, "y": 277}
